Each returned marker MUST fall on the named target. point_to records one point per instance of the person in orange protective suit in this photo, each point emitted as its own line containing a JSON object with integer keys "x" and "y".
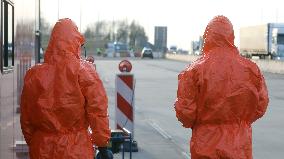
{"x": 219, "y": 96}
{"x": 61, "y": 98}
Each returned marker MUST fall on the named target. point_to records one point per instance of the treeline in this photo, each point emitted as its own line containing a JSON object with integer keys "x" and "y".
{"x": 102, "y": 32}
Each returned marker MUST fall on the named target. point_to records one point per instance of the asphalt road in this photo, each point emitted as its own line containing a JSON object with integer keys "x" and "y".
{"x": 157, "y": 131}
{"x": 10, "y": 130}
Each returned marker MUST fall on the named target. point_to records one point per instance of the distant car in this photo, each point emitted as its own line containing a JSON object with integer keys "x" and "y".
{"x": 173, "y": 50}
{"x": 137, "y": 54}
{"x": 197, "y": 52}
{"x": 117, "y": 49}
{"x": 147, "y": 52}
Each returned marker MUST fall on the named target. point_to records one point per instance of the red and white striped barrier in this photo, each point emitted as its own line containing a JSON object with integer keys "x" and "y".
{"x": 124, "y": 110}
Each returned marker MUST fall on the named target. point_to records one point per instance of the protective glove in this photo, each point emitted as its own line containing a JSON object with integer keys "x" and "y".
{"x": 105, "y": 153}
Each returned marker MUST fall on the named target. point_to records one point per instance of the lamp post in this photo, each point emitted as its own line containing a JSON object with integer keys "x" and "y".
{"x": 80, "y": 16}
{"x": 58, "y": 9}
{"x": 38, "y": 34}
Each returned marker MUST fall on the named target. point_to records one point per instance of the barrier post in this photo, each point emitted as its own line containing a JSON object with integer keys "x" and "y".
{"x": 124, "y": 103}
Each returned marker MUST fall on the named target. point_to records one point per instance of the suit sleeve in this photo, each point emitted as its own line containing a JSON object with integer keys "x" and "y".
{"x": 26, "y": 125}
{"x": 96, "y": 105}
{"x": 262, "y": 97}
{"x": 185, "y": 105}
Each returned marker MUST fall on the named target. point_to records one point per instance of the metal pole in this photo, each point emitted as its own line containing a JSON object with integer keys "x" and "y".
{"x": 85, "y": 52}
{"x": 58, "y": 9}
{"x": 277, "y": 15}
{"x": 13, "y": 40}
{"x": 39, "y": 32}
{"x": 80, "y": 15}
{"x": 6, "y": 64}
{"x": 130, "y": 145}
{"x": 123, "y": 149}
{"x": 261, "y": 15}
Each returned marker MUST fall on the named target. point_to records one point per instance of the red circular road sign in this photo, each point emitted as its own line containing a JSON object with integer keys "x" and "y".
{"x": 90, "y": 59}
{"x": 125, "y": 66}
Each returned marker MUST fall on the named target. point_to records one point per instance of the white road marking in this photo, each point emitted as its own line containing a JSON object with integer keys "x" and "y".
{"x": 106, "y": 80}
{"x": 166, "y": 135}
{"x": 2, "y": 127}
{"x": 10, "y": 123}
{"x": 185, "y": 155}
{"x": 160, "y": 130}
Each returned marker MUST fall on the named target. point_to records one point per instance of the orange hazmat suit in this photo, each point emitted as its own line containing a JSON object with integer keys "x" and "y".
{"x": 61, "y": 98}
{"x": 219, "y": 96}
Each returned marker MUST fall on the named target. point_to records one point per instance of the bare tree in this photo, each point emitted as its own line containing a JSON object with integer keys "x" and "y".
{"x": 102, "y": 32}
{"x": 45, "y": 32}
{"x": 122, "y": 32}
{"x": 137, "y": 36}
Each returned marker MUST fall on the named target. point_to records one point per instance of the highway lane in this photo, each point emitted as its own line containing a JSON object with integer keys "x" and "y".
{"x": 152, "y": 109}
{"x": 156, "y": 85}
{"x": 158, "y": 133}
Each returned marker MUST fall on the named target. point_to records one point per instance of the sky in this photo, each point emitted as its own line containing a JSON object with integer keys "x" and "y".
{"x": 186, "y": 19}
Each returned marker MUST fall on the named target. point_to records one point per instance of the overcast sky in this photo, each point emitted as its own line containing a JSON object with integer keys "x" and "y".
{"x": 185, "y": 19}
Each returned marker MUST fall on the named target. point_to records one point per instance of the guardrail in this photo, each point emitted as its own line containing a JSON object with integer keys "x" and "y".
{"x": 273, "y": 66}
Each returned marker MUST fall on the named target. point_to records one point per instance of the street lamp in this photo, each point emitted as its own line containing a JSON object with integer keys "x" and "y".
{"x": 38, "y": 35}
{"x": 80, "y": 15}
{"x": 58, "y": 9}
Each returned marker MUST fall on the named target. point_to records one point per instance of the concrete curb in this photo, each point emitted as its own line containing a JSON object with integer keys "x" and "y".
{"x": 265, "y": 65}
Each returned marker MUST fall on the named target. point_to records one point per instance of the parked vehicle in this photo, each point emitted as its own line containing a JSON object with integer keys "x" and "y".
{"x": 110, "y": 50}
{"x": 117, "y": 49}
{"x": 263, "y": 40}
{"x": 147, "y": 52}
{"x": 196, "y": 46}
{"x": 173, "y": 49}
